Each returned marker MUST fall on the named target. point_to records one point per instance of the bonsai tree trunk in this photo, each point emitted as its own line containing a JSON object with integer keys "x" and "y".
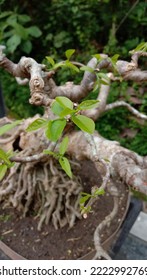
{"x": 37, "y": 174}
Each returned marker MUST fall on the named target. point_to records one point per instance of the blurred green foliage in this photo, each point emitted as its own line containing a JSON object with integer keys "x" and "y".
{"x": 49, "y": 28}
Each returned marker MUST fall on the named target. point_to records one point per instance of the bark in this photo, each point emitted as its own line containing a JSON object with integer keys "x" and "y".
{"x": 36, "y": 173}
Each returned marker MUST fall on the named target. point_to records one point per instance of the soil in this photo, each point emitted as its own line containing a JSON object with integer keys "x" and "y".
{"x": 21, "y": 234}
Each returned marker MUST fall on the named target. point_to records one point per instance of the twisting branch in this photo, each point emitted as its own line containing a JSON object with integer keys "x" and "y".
{"x": 128, "y": 106}
{"x": 100, "y": 252}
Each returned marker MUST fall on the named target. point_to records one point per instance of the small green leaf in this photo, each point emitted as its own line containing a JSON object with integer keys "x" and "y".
{"x": 87, "y": 68}
{"x": 114, "y": 58}
{"x": 3, "y": 170}
{"x": 141, "y": 47}
{"x": 48, "y": 152}
{"x": 84, "y": 198}
{"x": 99, "y": 191}
{"x": 4, "y": 157}
{"x": 84, "y": 123}
{"x": 37, "y": 124}
{"x": 98, "y": 56}
{"x": 103, "y": 76}
{"x": 57, "y": 65}
{"x": 69, "y": 53}
{"x": 9, "y": 126}
{"x": 50, "y": 59}
{"x": 64, "y": 102}
{"x": 71, "y": 66}
{"x": 64, "y": 162}
{"x": 55, "y": 129}
{"x": 63, "y": 146}
{"x": 88, "y": 104}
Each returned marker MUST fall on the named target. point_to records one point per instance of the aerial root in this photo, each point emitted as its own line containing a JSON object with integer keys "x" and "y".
{"x": 100, "y": 252}
{"x": 45, "y": 189}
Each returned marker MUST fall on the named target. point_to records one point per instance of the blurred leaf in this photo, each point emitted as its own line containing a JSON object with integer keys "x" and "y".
{"x": 50, "y": 59}
{"x": 69, "y": 53}
{"x": 114, "y": 58}
{"x": 24, "y": 18}
{"x": 9, "y": 126}
{"x": 26, "y": 46}
{"x": 141, "y": 47}
{"x": 34, "y": 31}
{"x": 87, "y": 68}
{"x": 71, "y": 66}
{"x": 64, "y": 162}
{"x": 13, "y": 42}
{"x": 84, "y": 123}
{"x": 5, "y": 14}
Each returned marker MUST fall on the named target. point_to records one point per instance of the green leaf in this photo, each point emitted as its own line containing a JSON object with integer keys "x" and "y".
{"x": 26, "y": 46}
{"x": 19, "y": 30}
{"x": 9, "y": 126}
{"x": 99, "y": 191}
{"x": 98, "y": 56}
{"x": 13, "y": 42}
{"x": 87, "y": 68}
{"x": 55, "y": 129}
{"x": 103, "y": 76}
{"x": 48, "y": 152}
{"x": 88, "y": 104}
{"x": 64, "y": 162}
{"x": 5, "y": 14}
{"x": 51, "y": 60}
{"x": 34, "y": 31}
{"x": 59, "y": 64}
{"x": 64, "y": 102}
{"x": 84, "y": 123}
{"x": 84, "y": 198}
{"x": 141, "y": 47}
{"x": 69, "y": 53}
{"x": 66, "y": 112}
{"x": 71, "y": 66}
{"x": 114, "y": 58}
{"x": 63, "y": 146}
{"x": 4, "y": 157}
{"x": 37, "y": 124}
{"x": 3, "y": 170}
{"x": 58, "y": 110}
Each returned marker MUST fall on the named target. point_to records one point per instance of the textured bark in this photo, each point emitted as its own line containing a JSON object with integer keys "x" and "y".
{"x": 117, "y": 161}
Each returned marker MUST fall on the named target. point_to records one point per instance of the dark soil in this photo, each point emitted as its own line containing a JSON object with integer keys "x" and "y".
{"x": 21, "y": 234}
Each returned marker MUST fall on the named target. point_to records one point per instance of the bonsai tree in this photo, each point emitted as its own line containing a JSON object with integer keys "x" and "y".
{"x": 41, "y": 169}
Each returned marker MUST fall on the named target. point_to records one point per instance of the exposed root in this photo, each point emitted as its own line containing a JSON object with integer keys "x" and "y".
{"x": 100, "y": 252}
{"x": 45, "y": 189}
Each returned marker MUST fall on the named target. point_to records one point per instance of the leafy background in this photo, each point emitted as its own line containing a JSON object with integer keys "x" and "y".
{"x": 49, "y": 28}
